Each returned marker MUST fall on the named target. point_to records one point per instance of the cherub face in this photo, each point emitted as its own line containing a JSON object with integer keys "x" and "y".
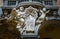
{"x": 14, "y": 8}
{"x": 44, "y": 9}
{"x": 21, "y": 8}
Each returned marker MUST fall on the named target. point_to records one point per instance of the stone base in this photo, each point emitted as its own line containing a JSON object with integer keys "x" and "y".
{"x": 30, "y": 36}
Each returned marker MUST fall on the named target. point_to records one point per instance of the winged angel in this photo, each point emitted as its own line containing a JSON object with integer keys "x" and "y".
{"x": 26, "y": 18}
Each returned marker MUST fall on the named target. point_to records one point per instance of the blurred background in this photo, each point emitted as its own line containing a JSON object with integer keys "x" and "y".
{"x": 50, "y": 28}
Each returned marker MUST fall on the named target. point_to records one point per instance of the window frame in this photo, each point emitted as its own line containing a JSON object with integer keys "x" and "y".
{"x": 11, "y": 3}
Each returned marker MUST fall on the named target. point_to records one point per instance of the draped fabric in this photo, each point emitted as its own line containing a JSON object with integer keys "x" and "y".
{"x": 30, "y": 23}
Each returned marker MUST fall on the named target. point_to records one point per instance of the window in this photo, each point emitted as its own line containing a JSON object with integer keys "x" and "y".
{"x": 22, "y": 1}
{"x": 30, "y": 0}
{"x": 36, "y": 0}
{"x": 50, "y": 2}
{"x": 11, "y": 2}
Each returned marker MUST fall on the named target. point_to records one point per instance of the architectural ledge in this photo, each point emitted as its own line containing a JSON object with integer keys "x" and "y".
{"x": 8, "y": 7}
{"x": 51, "y": 6}
{"x": 29, "y": 3}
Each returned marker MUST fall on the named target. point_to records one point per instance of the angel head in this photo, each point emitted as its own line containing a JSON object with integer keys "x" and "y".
{"x": 21, "y": 8}
{"x": 44, "y": 9}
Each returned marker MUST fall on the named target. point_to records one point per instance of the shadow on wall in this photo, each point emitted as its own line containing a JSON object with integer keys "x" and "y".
{"x": 8, "y": 30}
{"x": 50, "y": 30}
{"x": 47, "y": 38}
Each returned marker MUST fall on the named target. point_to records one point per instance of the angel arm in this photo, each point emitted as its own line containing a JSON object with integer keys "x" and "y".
{"x": 47, "y": 11}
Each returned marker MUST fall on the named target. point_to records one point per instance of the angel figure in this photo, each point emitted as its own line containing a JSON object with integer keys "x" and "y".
{"x": 13, "y": 14}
